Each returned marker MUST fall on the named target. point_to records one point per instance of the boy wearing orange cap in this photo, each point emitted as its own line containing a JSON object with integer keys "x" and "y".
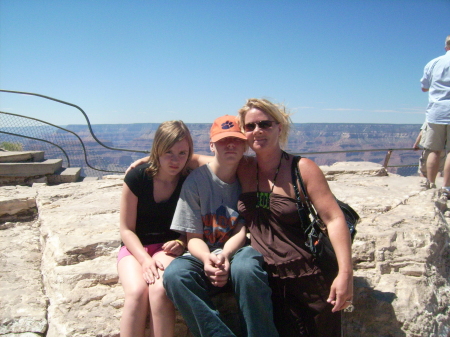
{"x": 207, "y": 214}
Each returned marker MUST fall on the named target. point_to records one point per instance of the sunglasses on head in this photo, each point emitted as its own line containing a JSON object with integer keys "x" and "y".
{"x": 261, "y": 124}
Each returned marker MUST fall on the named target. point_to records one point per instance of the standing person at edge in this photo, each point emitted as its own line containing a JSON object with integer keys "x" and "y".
{"x": 306, "y": 301}
{"x": 149, "y": 197}
{"x": 436, "y": 81}
{"x": 207, "y": 214}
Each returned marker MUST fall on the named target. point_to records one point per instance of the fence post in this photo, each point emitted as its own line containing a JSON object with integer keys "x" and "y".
{"x": 386, "y": 159}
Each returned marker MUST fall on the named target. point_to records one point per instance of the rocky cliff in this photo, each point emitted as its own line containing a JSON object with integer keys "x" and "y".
{"x": 59, "y": 243}
{"x": 346, "y": 140}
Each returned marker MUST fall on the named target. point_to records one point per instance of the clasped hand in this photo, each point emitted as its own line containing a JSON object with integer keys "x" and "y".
{"x": 217, "y": 269}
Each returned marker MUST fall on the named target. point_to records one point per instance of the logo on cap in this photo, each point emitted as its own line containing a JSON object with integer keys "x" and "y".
{"x": 227, "y": 125}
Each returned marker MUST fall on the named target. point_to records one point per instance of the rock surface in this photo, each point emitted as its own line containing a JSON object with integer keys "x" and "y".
{"x": 58, "y": 272}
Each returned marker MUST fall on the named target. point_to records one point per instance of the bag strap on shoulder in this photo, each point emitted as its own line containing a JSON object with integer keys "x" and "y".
{"x": 302, "y": 211}
{"x": 297, "y": 176}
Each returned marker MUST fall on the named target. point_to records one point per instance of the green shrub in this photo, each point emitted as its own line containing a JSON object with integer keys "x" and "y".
{"x": 8, "y": 146}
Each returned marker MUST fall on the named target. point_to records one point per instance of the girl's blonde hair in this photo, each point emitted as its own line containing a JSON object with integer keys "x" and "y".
{"x": 167, "y": 135}
{"x": 276, "y": 111}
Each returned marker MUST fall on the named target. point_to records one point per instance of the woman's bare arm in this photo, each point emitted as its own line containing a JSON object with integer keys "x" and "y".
{"x": 137, "y": 163}
{"x": 196, "y": 161}
{"x": 199, "y": 160}
{"x": 330, "y": 212}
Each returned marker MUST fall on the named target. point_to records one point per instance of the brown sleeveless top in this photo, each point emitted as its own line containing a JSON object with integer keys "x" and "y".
{"x": 276, "y": 233}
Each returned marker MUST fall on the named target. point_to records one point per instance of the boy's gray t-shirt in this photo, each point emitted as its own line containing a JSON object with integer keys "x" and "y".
{"x": 207, "y": 206}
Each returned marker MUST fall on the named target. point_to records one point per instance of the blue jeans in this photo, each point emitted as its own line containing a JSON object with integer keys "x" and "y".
{"x": 189, "y": 289}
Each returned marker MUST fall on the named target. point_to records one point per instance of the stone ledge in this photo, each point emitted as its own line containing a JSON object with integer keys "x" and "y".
{"x": 21, "y": 156}
{"x": 48, "y": 166}
{"x": 353, "y": 168}
{"x": 65, "y": 175}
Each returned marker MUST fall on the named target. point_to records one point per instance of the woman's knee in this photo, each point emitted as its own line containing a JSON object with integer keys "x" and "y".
{"x": 136, "y": 292}
{"x": 156, "y": 290}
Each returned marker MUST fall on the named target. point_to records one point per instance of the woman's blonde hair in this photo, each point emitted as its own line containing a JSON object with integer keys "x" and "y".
{"x": 167, "y": 135}
{"x": 276, "y": 111}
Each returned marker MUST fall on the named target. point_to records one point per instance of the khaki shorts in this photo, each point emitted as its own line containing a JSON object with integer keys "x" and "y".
{"x": 435, "y": 136}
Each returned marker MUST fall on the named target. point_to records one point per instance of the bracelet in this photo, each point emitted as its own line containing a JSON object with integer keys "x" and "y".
{"x": 180, "y": 242}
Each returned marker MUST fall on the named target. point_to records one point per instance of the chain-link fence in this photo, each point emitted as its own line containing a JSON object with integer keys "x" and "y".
{"x": 21, "y": 133}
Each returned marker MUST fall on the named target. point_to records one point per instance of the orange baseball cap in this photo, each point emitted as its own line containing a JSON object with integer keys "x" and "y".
{"x": 225, "y": 126}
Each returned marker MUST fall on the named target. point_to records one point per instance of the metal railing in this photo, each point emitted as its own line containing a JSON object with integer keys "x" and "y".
{"x": 385, "y": 162}
{"x": 33, "y": 134}
{"x": 97, "y": 158}
{"x": 402, "y": 169}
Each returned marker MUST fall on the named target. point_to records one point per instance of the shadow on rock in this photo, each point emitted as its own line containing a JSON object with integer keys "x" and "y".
{"x": 363, "y": 322}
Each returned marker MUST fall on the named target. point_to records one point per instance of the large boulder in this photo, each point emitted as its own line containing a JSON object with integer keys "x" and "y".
{"x": 401, "y": 256}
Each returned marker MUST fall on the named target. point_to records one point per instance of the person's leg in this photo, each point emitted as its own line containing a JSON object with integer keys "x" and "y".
{"x": 423, "y": 168}
{"x": 433, "y": 166}
{"x": 135, "y": 308}
{"x": 187, "y": 286}
{"x": 423, "y": 163}
{"x": 442, "y": 162}
{"x": 447, "y": 162}
{"x": 252, "y": 291}
{"x": 447, "y": 172}
{"x": 301, "y": 308}
{"x": 162, "y": 310}
{"x": 291, "y": 315}
{"x": 423, "y": 157}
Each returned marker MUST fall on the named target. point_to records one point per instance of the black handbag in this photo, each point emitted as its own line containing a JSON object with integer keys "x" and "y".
{"x": 315, "y": 230}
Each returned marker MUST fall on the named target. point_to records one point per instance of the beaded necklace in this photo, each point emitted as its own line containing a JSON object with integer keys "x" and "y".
{"x": 263, "y": 198}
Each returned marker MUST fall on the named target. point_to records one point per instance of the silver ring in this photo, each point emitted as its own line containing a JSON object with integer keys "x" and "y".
{"x": 350, "y": 308}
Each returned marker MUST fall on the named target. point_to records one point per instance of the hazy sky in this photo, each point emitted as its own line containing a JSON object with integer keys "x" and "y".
{"x": 149, "y": 61}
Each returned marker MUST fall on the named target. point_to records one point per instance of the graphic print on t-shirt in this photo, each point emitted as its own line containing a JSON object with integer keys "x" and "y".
{"x": 217, "y": 227}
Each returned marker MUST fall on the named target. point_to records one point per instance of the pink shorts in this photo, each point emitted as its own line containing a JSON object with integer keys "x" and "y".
{"x": 150, "y": 249}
